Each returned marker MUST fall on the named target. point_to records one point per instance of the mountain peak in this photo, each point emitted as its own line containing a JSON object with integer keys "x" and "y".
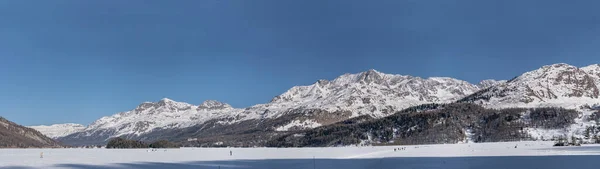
{"x": 166, "y": 100}
{"x": 322, "y": 82}
{"x": 371, "y": 75}
{"x": 550, "y": 72}
{"x": 372, "y": 71}
{"x": 213, "y": 104}
{"x": 560, "y": 66}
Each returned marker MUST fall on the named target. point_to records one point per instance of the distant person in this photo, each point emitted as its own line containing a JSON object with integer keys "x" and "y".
{"x": 230, "y": 153}
{"x": 42, "y": 155}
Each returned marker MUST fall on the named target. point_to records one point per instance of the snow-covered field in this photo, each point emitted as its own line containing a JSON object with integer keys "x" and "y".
{"x": 445, "y": 156}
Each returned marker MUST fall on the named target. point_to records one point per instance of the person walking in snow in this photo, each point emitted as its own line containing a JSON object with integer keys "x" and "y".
{"x": 230, "y": 153}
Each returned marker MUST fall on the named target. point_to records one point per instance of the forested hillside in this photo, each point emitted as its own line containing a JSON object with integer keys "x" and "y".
{"x": 434, "y": 124}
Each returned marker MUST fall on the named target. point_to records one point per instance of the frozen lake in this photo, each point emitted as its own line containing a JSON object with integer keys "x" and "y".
{"x": 514, "y": 155}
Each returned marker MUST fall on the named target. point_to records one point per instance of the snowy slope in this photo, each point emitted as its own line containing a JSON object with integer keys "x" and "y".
{"x": 558, "y": 85}
{"x": 593, "y": 71}
{"x": 59, "y": 130}
{"x": 481, "y": 155}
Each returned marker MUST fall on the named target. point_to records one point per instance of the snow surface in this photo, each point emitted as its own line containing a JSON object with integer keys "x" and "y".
{"x": 64, "y": 158}
{"x": 296, "y": 123}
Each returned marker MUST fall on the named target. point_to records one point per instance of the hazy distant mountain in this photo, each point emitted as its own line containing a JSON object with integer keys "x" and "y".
{"x": 13, "y": 135}
{"x": 58, "y": 130}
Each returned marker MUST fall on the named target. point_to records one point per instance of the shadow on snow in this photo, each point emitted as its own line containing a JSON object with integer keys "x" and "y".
{"x": 514, "y": 162}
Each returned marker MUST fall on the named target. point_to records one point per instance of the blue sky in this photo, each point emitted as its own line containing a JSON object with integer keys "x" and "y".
{"x": 76, "y": 61}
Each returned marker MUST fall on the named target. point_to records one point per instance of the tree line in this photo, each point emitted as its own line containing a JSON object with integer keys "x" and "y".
{"x": 121, "y": 143}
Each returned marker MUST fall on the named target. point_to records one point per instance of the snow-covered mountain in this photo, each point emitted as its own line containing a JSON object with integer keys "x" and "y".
{"x": 324, "y": 102}
{"x": 152, "y": 116}
{"x": 558, "y": 85}
{"x": 367, "y": 93}
{"x": 58, "y": 130}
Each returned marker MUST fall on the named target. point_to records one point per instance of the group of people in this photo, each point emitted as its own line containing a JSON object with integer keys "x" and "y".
{"x": 398, "y": 149}
{"x": 155, "y": 150}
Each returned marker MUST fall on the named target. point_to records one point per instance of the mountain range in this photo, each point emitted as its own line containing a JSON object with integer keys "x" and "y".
{"x": 368, "y": 95}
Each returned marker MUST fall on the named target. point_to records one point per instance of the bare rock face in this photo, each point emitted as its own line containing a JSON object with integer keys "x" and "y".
{"x": 13, "y": 135}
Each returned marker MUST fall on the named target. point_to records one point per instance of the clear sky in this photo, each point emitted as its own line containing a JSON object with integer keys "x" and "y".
{"x": 76, "y": 61}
